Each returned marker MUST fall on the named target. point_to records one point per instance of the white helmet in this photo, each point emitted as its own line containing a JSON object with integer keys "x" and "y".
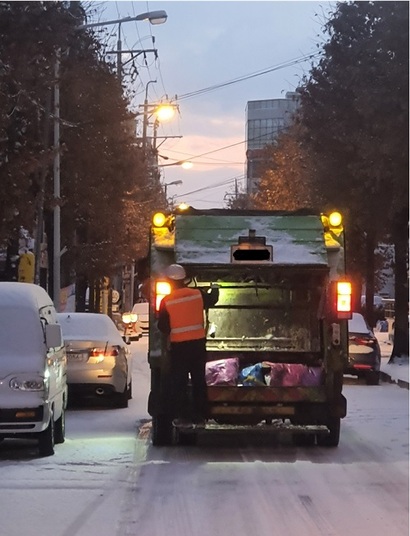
{"x": 176, "y": 272}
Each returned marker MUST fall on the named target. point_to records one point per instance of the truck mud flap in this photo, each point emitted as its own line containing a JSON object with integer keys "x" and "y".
{"x": 339, "y": 410}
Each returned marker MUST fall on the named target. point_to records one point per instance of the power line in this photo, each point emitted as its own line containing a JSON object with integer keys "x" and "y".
{"x": 289, "y": 63}
{"x": 212, "y": 186}
{"x": 266, "y": 134}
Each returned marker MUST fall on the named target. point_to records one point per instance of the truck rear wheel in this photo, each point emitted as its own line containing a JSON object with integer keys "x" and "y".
{"x": 162, "y": 430}
{"x": 332, "y": 438}
{"x": 303, "y": 440}
{"x": 188, "y": 439}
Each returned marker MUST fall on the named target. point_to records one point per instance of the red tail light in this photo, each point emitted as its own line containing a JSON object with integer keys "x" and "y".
{"x": 341, "y": 299}
{"x": 105, "y": 352}
{"x": 361, "y": 340}
{"x": 97, "y": 355}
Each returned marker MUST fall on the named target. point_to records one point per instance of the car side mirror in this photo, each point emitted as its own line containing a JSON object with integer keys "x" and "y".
{"x": 54, "y": 336}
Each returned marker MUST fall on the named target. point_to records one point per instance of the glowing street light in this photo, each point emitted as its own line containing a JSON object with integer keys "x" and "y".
{"x": 165, "y": 112}
{"x": 187, "y": 164}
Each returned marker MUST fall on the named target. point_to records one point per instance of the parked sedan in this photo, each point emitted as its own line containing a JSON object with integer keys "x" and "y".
{"x": 142, "y": 311}
{"x": 136, "y": 323}
{"x": 98, "y": 360}
{"x": 364, "y": 351}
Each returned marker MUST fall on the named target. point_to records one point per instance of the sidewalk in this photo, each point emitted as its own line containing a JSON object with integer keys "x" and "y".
{"x": 393, "y": 373}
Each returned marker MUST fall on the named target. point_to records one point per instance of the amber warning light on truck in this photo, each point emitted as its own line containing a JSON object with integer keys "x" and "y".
{"x": 159, "y": 219}
{"x": 162, "y": 289}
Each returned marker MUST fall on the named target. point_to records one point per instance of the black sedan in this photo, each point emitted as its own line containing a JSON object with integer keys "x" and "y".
{"x": 364, "y": 351}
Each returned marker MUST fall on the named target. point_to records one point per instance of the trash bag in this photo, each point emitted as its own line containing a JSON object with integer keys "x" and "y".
{"x": 312, "y": 377}
{"x": 294, "y": 375}
{"x": 222, "y": 371}
{"x": 252, "y": 375}
{"x": 277, "y": 374}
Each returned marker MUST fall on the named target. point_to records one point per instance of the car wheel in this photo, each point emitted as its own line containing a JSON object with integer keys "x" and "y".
{"x": 129, "y": 391}
{"x": 373, "y": 377}
{"x": 59, "y": 432}
{"x": 162, "y": 430}
{"x": 46, "y": 439}
{"x": 121, "y": 399}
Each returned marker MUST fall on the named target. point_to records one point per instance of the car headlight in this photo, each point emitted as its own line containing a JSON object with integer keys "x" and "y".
{"x": 129, "y": 318}
{"x": 29, "y": 384}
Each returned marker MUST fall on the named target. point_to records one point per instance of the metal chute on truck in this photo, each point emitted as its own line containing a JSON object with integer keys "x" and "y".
{"x": 284, "y": 302}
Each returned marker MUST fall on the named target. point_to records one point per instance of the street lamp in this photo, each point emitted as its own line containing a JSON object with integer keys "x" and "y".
{"x": 173, "y": 183}
{"x": 185, "y": 164}
{"x": 154, "y": 17}
{"x": 166, "y": 184}
{"x": 162, "y": 111}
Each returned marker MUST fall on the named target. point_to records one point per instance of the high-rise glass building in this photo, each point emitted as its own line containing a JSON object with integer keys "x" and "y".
{"x": 265, "y": 120}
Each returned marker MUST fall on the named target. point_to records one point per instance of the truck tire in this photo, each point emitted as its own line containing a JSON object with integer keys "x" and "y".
{"x": 162, "y": 430}
{"x": 303, "y": 440}
{"x": 46, "y": 439}
{"x": 332, "y": 438}
{"x": 186, "y": 438}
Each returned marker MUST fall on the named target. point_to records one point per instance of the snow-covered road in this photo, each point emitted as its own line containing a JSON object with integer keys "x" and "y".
{"x": 107, "y": 479}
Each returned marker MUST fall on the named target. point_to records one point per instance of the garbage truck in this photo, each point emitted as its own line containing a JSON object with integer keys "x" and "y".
{"x": 277, "y": 339}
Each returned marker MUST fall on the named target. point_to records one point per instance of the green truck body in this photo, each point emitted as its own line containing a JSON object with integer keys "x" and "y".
{"x": 276, "y": 312}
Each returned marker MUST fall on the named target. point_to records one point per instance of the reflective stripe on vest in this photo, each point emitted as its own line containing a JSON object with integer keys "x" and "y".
{"x": 186, "y": 314}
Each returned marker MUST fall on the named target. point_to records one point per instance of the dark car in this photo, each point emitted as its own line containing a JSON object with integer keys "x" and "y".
{"x": 364, "y": 351}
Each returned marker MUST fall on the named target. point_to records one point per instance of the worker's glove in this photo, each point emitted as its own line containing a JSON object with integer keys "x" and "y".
{"x": 214, "y": 285}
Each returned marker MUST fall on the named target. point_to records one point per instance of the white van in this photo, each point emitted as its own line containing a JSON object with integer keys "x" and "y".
{"x": 33, "y": 367}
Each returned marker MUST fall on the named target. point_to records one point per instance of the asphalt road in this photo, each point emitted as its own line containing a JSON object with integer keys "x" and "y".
{"x": 108, "y": 480}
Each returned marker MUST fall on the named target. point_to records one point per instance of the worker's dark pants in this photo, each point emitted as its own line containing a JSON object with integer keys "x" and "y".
{"x": 188, "y": 358}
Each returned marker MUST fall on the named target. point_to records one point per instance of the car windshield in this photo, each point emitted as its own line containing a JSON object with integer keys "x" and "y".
{"x": 21, "y": 332}
{"x": 89, "y": 326}
{"x": 140, "y": 308}
{"x": 357, "y": 324}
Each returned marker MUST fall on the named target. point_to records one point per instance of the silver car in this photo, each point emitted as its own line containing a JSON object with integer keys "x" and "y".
{"x": 136, "y": 323}
{"x": 98, "y": 359}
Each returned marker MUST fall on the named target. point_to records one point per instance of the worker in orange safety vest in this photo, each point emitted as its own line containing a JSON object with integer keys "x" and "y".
{"x": 181, "y": 317}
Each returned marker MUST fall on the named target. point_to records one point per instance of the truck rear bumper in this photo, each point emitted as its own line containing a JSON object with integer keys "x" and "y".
{"x": 234, "y": 405}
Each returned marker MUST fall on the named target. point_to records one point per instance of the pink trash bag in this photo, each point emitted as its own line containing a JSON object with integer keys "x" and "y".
{"x": 313, "y": 377}
{"x": 222, "y": 371}
{"x": 294, "y": 375}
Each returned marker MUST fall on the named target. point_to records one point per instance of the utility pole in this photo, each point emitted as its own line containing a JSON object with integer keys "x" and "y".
{"x": 57, "y": 195}
{"x": 134, "y": 53}
{"x": 145, "y": 116}
{"x": 41, "y": 194}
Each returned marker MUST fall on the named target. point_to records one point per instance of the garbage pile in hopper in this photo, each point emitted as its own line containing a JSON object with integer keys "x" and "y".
{"x": 228, "y": 372}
